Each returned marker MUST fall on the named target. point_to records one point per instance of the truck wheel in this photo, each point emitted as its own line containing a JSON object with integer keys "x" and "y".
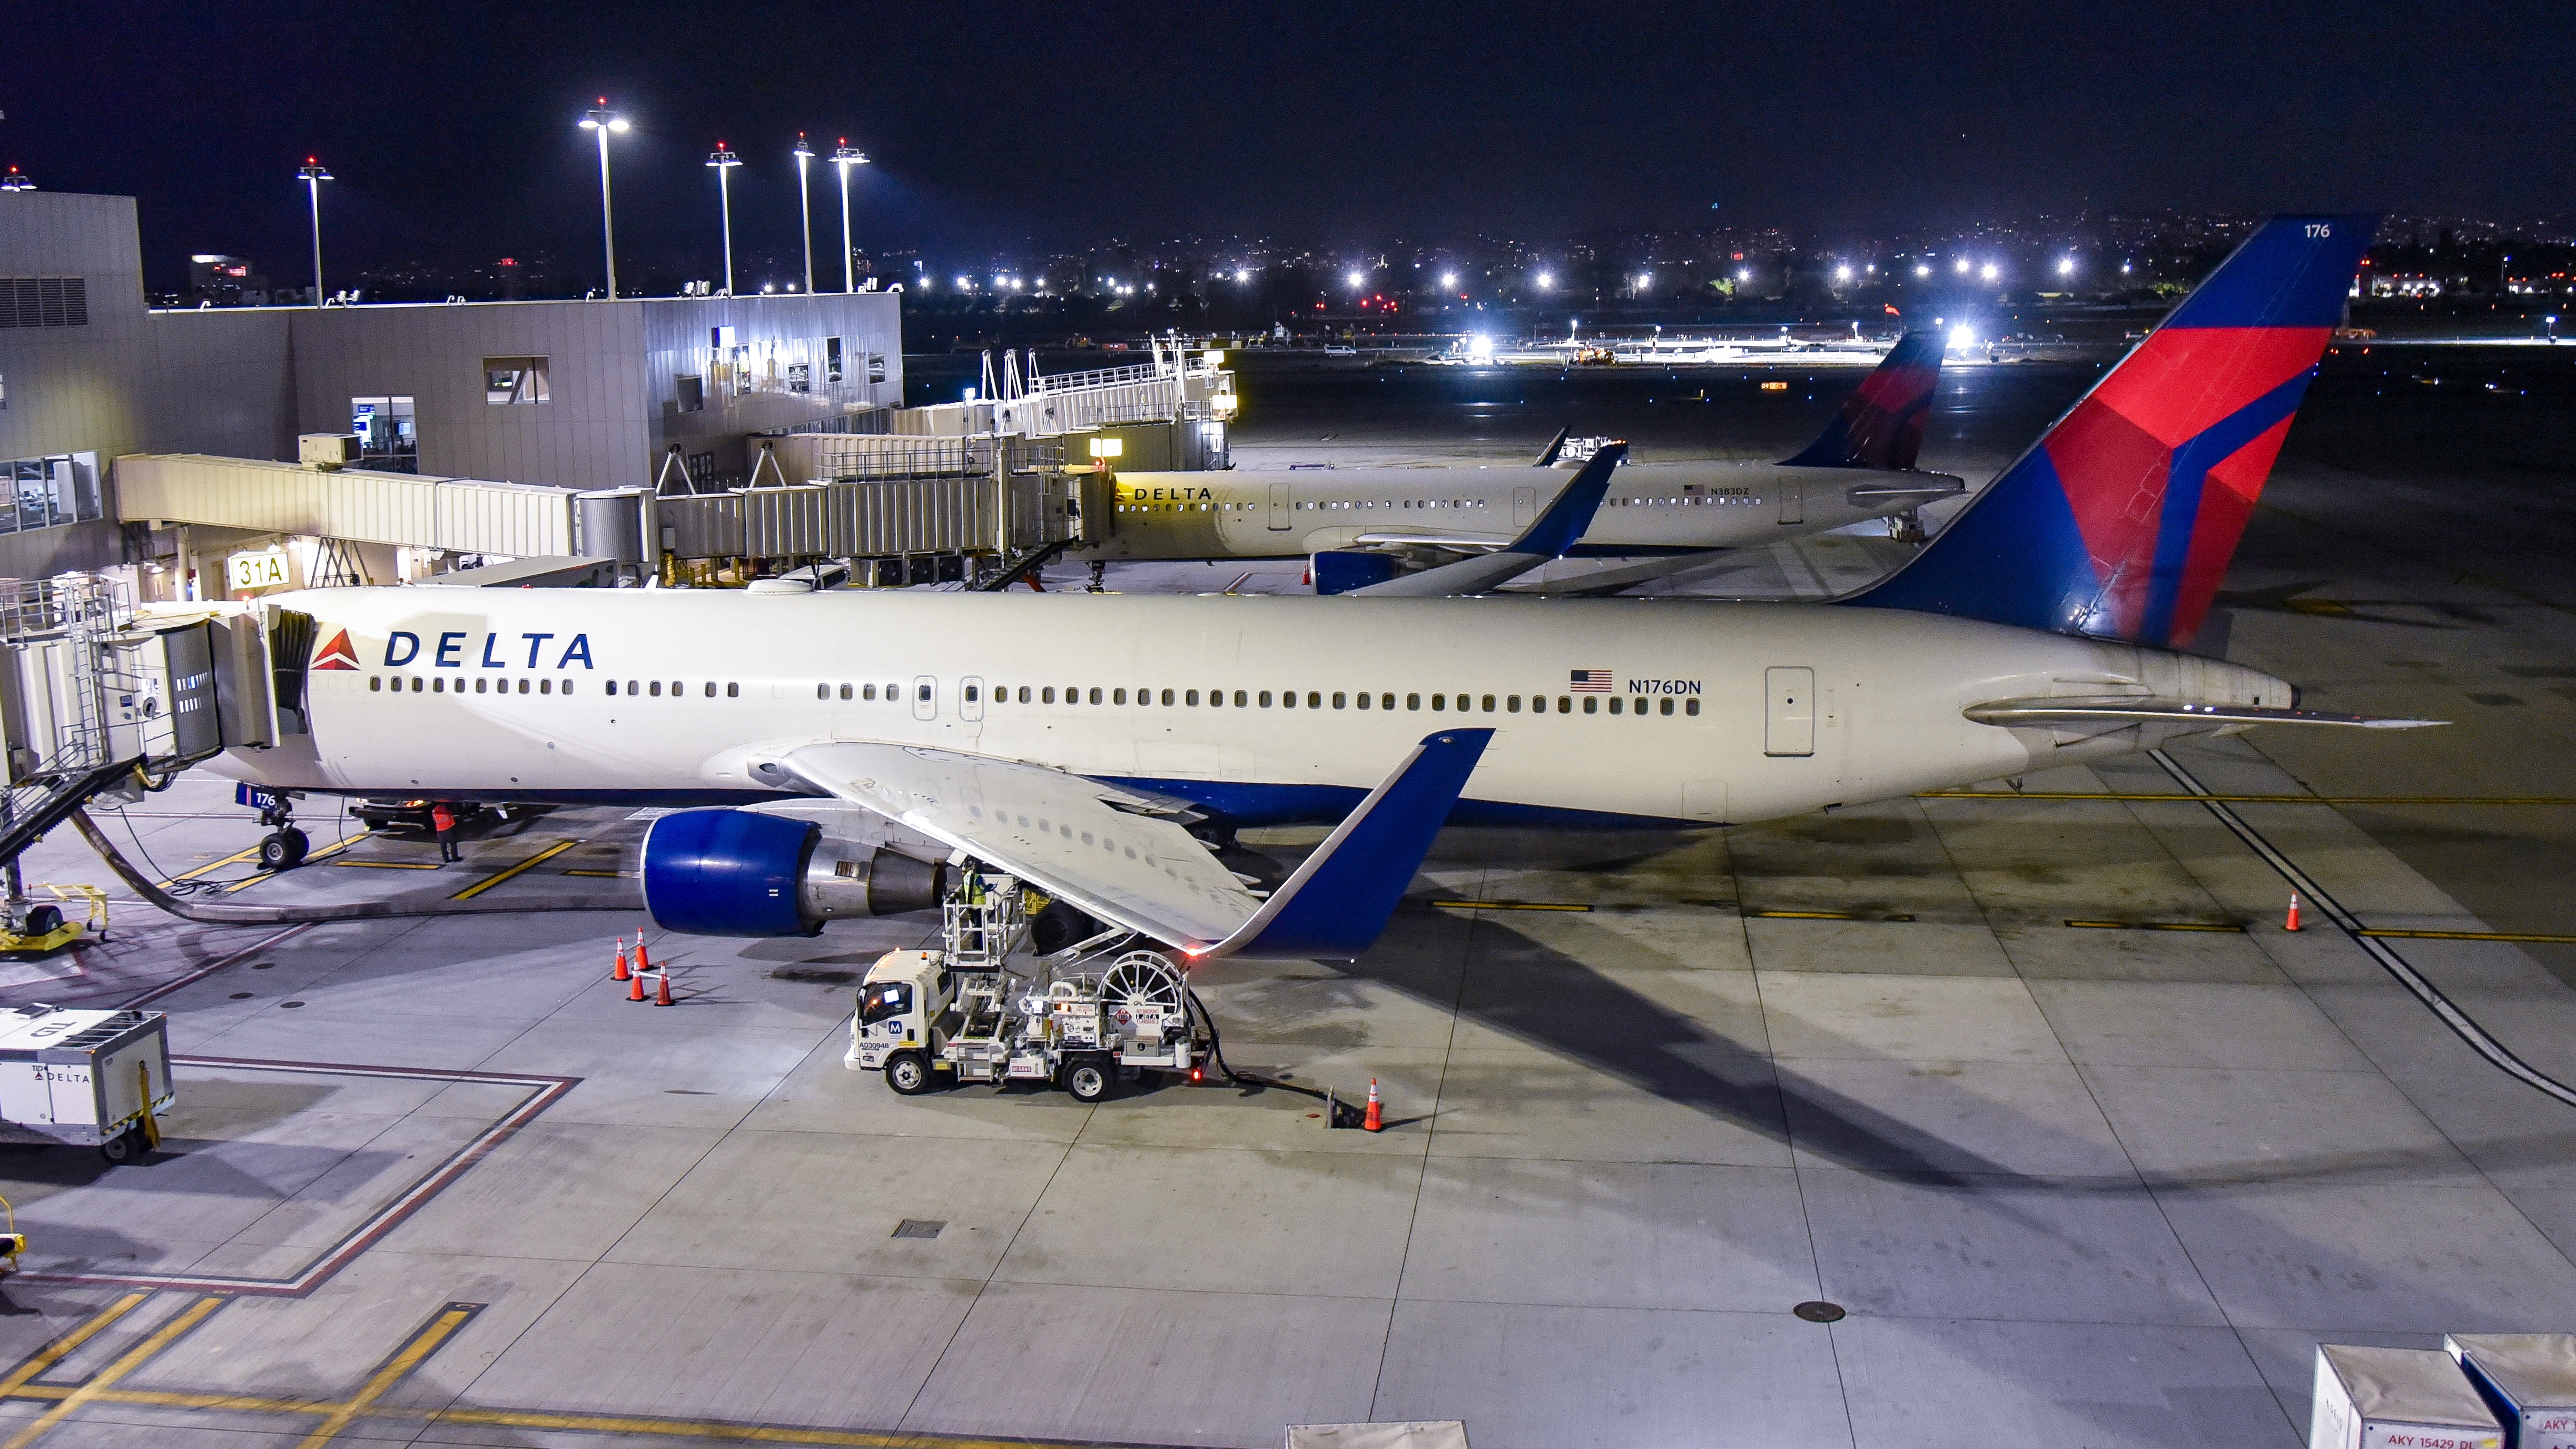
{"x": 120, "y": 1149}
{"x": 907, "y": 1073}
{"x": 44, "y": 920}
{"x": 1090, "y": 1079}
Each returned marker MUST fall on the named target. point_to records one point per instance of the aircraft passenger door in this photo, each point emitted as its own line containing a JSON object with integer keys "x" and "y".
{"x": 970, "y": 698}
{"x": 925, "y": 697}
{"x": 1524, "y": 507}
{"x": 1793, "y": 503}
{"x": 1279, "y": 507}
{"x": 1789, "y": 713}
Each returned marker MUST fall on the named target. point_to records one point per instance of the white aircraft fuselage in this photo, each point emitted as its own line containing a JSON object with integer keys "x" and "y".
{"x": 1650, "y": 508}
{"x": 1685, "y": 709}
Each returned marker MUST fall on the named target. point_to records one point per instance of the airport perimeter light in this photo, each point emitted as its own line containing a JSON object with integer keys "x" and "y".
{"x": 1921, "y": 270}
{"x": 842, "y": 160}
{"x": 1843, "y": 272}
{"x": 314, "y": 176}
{"x": 602, "y": 120}
{"x": 16, "y": 180}
{"x": 2066, "y": 266}
{"x": 724, "y": 161}
{"x": 805, "y": 206}
{"x": 1358, "y": 281}
{"x": 1546, "y": 280}
{"x": 1961, "y": 266}
{"x": 1448, "y": 280}
{"x": 1991, "y": 272}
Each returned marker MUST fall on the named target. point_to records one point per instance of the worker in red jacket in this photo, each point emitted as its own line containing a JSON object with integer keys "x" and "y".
{"x": 442, "y": 818}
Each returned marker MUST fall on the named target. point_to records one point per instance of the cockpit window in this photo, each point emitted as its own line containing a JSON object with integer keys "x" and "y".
{"x": 885, "y": 999}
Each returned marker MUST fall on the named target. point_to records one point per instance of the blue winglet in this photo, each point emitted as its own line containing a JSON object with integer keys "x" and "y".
{"x": 1339, "y": 901}
{"x": 1570, "y": 516}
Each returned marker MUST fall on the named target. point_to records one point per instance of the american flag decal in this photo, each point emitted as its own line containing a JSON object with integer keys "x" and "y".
{"x": 1592, "y": 681}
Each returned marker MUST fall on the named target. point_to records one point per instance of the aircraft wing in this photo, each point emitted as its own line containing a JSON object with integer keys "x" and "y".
{"x": 1558, "y": 529}
{"x": 1123, "y": 858}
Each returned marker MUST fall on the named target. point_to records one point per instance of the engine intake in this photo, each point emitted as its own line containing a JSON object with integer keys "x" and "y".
{"x": 745, "y": 873}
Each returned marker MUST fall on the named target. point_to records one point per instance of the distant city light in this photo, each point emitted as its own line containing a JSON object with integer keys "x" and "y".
{"x": 1744, "y": 274}
{"x": 2124, "y": 269}
{"x": 963, "y": 284}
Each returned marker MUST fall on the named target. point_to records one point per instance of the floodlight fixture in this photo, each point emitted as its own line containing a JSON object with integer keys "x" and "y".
{"x": 842, "y": 160}
{"x": 724, "y": 161}
{"x": 601, "y": 121}
{"x": 313, "y": 175}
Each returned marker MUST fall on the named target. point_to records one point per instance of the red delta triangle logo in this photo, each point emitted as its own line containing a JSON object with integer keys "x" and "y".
{"x": 336, "y": 654}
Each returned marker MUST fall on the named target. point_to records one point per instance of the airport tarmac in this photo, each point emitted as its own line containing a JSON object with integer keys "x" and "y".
{"x": 2026, "y": 1079}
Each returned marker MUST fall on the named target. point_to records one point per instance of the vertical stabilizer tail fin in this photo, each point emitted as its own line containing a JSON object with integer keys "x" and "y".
{"x": 1881, "y": 426}
{"x": 2120, "y": 521}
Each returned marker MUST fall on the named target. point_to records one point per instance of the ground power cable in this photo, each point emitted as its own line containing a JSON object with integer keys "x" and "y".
{"x": 236, "y": 915}
{"x": 1254, "y": 1080}
{"x": 2460, "y": 1022}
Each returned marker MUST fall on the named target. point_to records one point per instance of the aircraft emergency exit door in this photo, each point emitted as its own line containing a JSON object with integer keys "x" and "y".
{"x": 1789, "y": 712}
{"x": 1524, "y": 507}
{"x": 1279, "y": 506}
{"x": 1793, "y": 503}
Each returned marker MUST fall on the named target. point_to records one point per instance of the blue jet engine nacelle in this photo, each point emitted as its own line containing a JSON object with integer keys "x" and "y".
{"x": 745, "y": 873}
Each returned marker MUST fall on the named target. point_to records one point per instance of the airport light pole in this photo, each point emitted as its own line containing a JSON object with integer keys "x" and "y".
{"x": 17, "y": 180}
{"x": 724, "y": 161}
{"x": 842, "y": 160}
{"x": 805, "y": 207}
{"x": 314, "y": 175}
{"x": 603, "y": 120}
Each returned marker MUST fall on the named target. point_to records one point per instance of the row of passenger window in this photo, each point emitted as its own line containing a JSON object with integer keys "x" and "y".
{"x": 1313, "y": 699}
{"x": 483, "y": 684}
{"x": 653, "y": 687}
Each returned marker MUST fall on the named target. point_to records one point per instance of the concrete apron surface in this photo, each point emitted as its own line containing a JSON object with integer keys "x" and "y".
{"x": 440, "y": 1182}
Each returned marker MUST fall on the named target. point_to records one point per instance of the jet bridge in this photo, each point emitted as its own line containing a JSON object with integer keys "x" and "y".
{"x": 95, "y": 699}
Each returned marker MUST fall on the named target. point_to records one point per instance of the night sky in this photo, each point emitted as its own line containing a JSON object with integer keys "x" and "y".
{"x": 451, "y": 126}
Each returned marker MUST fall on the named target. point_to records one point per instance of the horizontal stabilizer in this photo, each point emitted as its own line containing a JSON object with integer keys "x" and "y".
{"x": 2015, "y": 712}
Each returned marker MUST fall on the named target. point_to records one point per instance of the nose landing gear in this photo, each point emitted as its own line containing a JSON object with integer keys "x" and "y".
{"x": 284, "y": 846}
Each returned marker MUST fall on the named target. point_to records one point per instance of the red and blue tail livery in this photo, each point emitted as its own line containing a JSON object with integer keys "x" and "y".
{"x": 2119, "y": 523}
{"x": 1881, "y": 426}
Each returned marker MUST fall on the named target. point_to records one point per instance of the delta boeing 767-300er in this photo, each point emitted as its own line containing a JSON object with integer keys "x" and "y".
{"x": 1074, "y": 741}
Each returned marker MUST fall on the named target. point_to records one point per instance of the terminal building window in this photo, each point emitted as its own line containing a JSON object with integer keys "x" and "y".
{"x": 44, "y": 301}
{"x": 48, "y": 492}
{"x": 388, "y": 433}
{"x": 511, "y": 381}
{"x": 690, "y": 393}
{"x": 831, "y": 359}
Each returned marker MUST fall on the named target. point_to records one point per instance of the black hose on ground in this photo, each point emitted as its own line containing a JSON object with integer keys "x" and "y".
{"x": 1216, "y": 1054}
{"x": 249, "y": 915}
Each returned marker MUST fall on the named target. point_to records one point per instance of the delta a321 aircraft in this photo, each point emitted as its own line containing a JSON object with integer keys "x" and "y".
{"x": 1073, "y": 740}
{"x": 1359, "y": 521}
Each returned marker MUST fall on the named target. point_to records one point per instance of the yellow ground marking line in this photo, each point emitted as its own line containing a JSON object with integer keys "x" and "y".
{"x": 2172, "y": 798}
{"x": 613, "y": 874}
{"x": 386, "y": 865}
{"x": 107, "y": 1378}
{"x": 1817, "y": 916}
{"x": 236, "y": 858}
{"x": 421, "y": 1345}
{"x": 2156, "y": 926}
{"x": 2472, "y": 936}
{"x": 1512, "y": 905}
{"x": 52, "y": 1353}
{"x": 540, "y": 858}
{"x": 334, "y": 848}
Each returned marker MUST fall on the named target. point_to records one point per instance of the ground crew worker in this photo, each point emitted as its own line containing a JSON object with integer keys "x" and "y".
{"x": 442, "y": 818}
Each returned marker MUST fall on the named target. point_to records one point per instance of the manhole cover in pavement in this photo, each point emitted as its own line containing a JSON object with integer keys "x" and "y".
{"x": 923, "y": 1228}
{"x": 1819, "y": 1311}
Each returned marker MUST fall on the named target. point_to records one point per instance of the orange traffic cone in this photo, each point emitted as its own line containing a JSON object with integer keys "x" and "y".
{"x": 662, "y": 988}
{"x": 635, "y": 987}
{"x": 643, "y": 961}
{"x": 621, "y": 973}
{"x": 1372, "y": 1122}
{"x": 2292, "y": 923}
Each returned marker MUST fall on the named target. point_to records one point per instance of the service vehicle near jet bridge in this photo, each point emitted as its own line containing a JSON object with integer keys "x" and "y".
{"x": 1077, "y": 1019}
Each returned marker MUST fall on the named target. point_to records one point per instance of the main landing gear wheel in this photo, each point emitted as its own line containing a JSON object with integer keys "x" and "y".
{"x": 908, "y": 1073}
{"x": 1090, "y": 1080}
{"x": 282, "y": 849}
